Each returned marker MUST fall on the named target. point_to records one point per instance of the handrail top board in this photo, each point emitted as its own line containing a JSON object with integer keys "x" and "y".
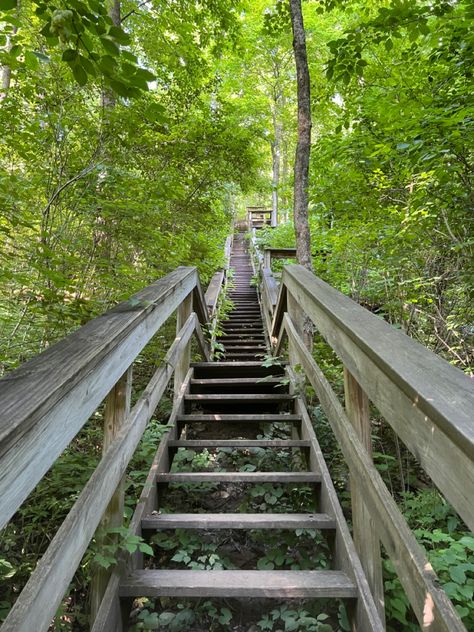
{"x": 442, "y": 392}
{"x": 32, "y": 389}
{"x": 281, "y": 253}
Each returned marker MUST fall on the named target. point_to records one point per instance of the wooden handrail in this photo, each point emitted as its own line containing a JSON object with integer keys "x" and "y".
{"x": 427, "y": 401}
{"x": 66, "y": 394}
{"x": 46, "y": 401}
{"x": 42, "y": 595}
{"x": 215, "y": 285}
{"x": 428, "y": 599}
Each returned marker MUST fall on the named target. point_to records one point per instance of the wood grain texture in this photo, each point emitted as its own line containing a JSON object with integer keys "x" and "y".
{"x": 47, "y": 400}
{"x": 277, "y": 584}
{"x": 365, "y": 614}
{"x": 213, "y": 291}
{"x": 109, "y": 615}
{"x": 365, "y": 535}
{"x": 239, "y": 477}
{"x": 427, "y": 401}
{"x": 184, "y": 311}
{"x": 117, "y": 409}
{"x": 42, "y": 594}
{"x": 428, "y": 599}
{"x": 238, "y": 521}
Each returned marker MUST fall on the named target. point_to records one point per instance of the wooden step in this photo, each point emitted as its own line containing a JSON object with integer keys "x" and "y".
{"x": 234, "y": 380}
{"x": 240, "y": 347}
{"x": 238, "y": 521}
{"x": 238, "y": 443}
{"x": 273, "y": 584}
{"x": 239, "y": 418}
{"x": 236, "y": 369}
{"x": 238, "y": 477}
{"x": 244, "y": 338}
{"x": 258, "y": 398}
{"x": 243, "y": 356}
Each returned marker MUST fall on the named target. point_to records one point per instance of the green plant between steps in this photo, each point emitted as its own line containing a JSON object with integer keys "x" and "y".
{"x": 224, "y": 307}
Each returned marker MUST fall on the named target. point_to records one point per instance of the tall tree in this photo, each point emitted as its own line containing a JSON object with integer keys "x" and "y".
{"x": 303, "y": 147}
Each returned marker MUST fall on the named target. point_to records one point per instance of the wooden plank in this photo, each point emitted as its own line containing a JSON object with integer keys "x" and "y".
{"x": 109, "y": 616}
{"x": 271, "y": 287}
{"x": 272, "y": 584}
{"x": 239, "y": 443}
{"x": 202, "y": 342}
{"x": 239, "y": 397}
{"x": 365, "y": 612}
{"x": 238, "y": 521}
{"x": 38, "y": 602}
{"x": 253, "y": 418}
{"x": 213, "y": 290}
{"x": 45, "y": 402}
{"x": 428, "y": 599}
{"x": 233, "y": 380}
{"x": 238, "y": 477}
{"x": 365, "y": 536}
{"x": 199, "y": 303}
{"x": 117, "y": 409}
{"x": 281, "y": 253}
{"x": 427, "y": 401}
{"x": 183, "y": 313}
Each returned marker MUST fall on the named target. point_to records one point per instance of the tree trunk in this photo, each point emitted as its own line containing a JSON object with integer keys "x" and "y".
{"x": 6, "y": 70}
{"x": 276, "y": 153}
{"x": 108, "y": 96}
{"x": 303, "y": 147}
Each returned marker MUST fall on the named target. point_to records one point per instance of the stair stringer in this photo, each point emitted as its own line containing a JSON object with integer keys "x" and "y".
{"x": 366, "y": 615}
{"x": 113, "y": 613}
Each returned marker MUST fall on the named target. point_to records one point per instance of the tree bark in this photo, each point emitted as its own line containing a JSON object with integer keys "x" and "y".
{"x": 6, "y": 70}
{"x": 108, "y": 96}
{"x": 275, "y": 166}
{"x": 303, "y": 147}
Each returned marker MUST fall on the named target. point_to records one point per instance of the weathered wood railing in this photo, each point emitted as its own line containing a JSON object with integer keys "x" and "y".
{"x": 48, "y": 400}
{"x": 216, "y": 286}
{"x": 427, "y": 402}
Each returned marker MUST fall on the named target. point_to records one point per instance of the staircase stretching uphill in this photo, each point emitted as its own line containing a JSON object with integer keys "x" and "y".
{"x": 243, "y": 334}
{"x": 239, "y": 404}
{"x": 240, "y": 461}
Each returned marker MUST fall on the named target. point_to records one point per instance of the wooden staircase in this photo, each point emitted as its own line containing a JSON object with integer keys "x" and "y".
{"x": 237, "y": 406}
{"x": 229, "y": 404}
{"x": 243, "y": 334}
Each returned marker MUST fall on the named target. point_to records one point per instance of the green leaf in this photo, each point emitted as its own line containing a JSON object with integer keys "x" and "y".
{"x": 110, "y": 46}
{"x": 70, "y": 55}
{"x": 165, "y": 618}
{"x": 120, "y": 88}
{"x": 108, "y": 64}
{"x": 31, "y": 61}
{"x": 6, "y": 569}
{"x": 7, "y": 5}
{"x": 88, "y": 66}
{"x": 119, "y": 35}
{"x": 265, "y": 565}
{"x": 42, "y": 57}
{"x": 145, "y": 548}
{"x": 226, "y": 616}
{"x": 80, "y": 74}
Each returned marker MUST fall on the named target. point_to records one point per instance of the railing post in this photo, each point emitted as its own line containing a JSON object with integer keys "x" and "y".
{"x": 297, "y": 317}
{"x": 183, "y": 313}
{"x": 365, "y": 538}
{"x": 267, "y": 259}
{"x": 117, "y": 408}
